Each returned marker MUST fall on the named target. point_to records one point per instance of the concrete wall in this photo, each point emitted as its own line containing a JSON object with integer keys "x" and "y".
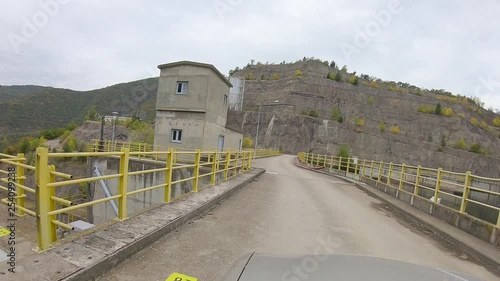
{"x": 215, "y": 105}
{"x": 104, "y": 212}
{"x": 198, "y": 85}
{"x": 213, "y": 131}
{"x": 191, "y": 123}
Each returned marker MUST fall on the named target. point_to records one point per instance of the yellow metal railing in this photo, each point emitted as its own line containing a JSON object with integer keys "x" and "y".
{"x": 108, "y": 146}
{"x": 456, "y": 190}
{"x": 215, "y": 165}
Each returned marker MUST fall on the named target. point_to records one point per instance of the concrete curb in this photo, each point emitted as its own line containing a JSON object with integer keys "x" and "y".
{"x": 97, "y": 269}
{"x": 490, "y": 262}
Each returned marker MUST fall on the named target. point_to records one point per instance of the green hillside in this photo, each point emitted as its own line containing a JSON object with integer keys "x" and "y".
{"x": 24, "y": 113}
{"x": 13, "y": 92}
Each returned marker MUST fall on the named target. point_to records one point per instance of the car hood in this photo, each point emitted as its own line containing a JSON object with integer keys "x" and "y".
{"x": 265, "y": 267}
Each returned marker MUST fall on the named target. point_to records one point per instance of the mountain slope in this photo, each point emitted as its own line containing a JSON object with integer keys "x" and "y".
{"x": 52, "y": 107}
{"x": 380, "y": 120}
{"x": 13, "y": 92}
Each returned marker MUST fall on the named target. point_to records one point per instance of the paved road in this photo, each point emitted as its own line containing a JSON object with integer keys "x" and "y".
{"x": 290, "y": 211}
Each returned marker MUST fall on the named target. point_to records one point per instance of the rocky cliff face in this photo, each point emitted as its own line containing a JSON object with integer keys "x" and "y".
{"x": 363, "y": 109}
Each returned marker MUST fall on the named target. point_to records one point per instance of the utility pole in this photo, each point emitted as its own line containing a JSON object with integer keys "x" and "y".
{"x": 101, "y": 139}
{"x": 113, "y": 134}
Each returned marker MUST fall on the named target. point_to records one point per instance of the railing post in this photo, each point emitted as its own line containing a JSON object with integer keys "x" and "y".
{"x": 236, "y": 160}
{"x": 226, "y": 168}
{"x": 364, "y": 168}
{"x": 324, "y": 162}
{"x": 438, "y": 184}
{"x": 96, "y": 145}
{"x": 109, "y": 145}
{"x": 402, "y": 178}
{"x": 371, "y": 170}
{"x": 356, "y": 168}
{"x": 390, "y": 174}
{"x": 46, "y": 229}
{"x": 307, "y": 158}
{"x": 417, "y": 180}
{"x": 214, "y": 168}
{"x": 380, "y": 170}
{"x": 20, "y": 180}
{"x": 168, "y": 176}
{"x": 139, "y": 150}
{"x": 465, "y": 196}
{"x": 340, "y": 162}
{"x": 331, "y": 162}
{"x": 249, "y": 160}
{"x": 123, "y": 185}
{"x": 243, "y": 162}
{"x": 196, "y": 173}
{"x": 348, "y": 169}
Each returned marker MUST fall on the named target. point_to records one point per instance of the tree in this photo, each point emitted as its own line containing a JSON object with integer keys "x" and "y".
{"x": 91, "y": 114}
{"x": 332, "y": 64}
{"x": 337, "y": 77}
{"x": 344, "y": 68}
{"x": 353, "y": 80}
{"x": 439, "y": 109}
{"x": 344, "y": 151}
{"x": 247, "y": 143}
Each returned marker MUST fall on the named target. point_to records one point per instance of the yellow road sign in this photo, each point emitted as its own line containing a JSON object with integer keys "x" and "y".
{"x": 180, "y": 277}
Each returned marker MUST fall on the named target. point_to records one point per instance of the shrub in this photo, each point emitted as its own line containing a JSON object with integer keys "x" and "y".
{"x": 419, "y": 93}
{"x": 496, "y": 122}
{"x": 395, "y": 129}
{"x": 353, "y": 80}
{"x": 336, "y": 113}
{"x": 443, "y": 140}
{"x": 332, "y": 64}
{"x": 250, "y": 76}
{"x": 275, "y": 76}
{"x": 474, "y": 121}
{"x": 448, "y": 112}
{"x": 475, "y": 147}
{"x": 360, "y": 122}
{"x": 312, "y": 113}
{"x": 461, "y": 115}
{"x": 374, "y": 84}
{"x": 337, "y": 76}
{"x": 381, "y": 126}
{"x": 247, "y": 142}
{"x": 440, "y": 149}
{"x": 439, "y": 109}
{"x": 344, "y": 68}
{"x": 344, "y": 151}
{"x": 298, "y": 72}
{"x": 460, "y": 144}
{"x": 371, "y": 100}
{"x": 70, "y": 145}
{"x": 71, "y": 126}
{"x": 426, "y": 109}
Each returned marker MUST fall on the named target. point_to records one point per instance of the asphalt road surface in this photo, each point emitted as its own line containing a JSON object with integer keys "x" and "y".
{"x": 293, "y": 211}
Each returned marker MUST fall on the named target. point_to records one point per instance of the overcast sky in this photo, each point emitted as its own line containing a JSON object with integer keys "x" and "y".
{"x": 91, "y": 44}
